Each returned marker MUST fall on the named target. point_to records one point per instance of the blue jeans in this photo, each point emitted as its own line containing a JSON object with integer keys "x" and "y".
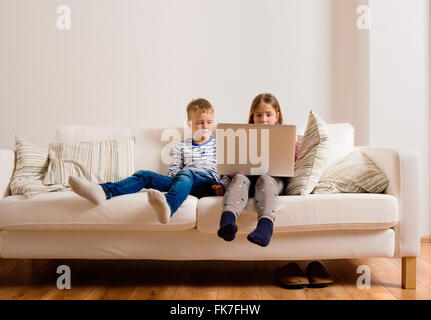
{"x": 178, "y": 188}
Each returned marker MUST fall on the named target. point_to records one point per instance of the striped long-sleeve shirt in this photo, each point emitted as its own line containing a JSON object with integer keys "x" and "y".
{"x": 197, "y": 157}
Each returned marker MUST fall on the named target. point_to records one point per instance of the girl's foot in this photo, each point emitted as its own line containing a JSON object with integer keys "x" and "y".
{"x": 89, "y": 190}
{"x": 228, "y": 227}
{"x": 158, "y": 201}
{"x": 262, "y": 235}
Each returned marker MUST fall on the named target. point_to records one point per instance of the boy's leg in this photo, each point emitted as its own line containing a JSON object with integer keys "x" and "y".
{"x": 96, "y": 193}
{"x": 135, "y": 183}
{"x": 167, "y": 204}
{"x": 234, "y": 201}
{"x": 265, "y": 199}
{"x": 202, "y": 185}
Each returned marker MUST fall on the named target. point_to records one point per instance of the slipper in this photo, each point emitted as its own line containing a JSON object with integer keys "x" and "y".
{"x": 318, "y": 276}
{"x": 291, "y": 276}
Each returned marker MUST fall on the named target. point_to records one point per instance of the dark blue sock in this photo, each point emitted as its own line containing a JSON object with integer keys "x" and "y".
{"x": 262, "y": 234}
{"x": 228, "y": 227}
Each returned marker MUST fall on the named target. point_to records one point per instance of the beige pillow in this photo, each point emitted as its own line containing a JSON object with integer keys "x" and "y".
{"x": 97, "y": 161}
{"x": 312, "y": 156}
{"x": 356, "y": 173}
{"x": 30, "y": 168}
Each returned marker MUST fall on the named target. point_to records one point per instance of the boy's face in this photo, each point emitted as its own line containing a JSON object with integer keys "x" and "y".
{"x": 202, "y": 125}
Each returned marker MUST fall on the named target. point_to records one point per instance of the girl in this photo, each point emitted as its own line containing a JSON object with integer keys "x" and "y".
{"x": 265, "y": 109}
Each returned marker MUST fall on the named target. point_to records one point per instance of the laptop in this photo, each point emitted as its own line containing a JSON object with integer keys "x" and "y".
{"x": 256, "y": 149}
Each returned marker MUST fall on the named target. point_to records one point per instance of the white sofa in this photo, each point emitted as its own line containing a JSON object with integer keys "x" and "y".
{"x": 332, "y": 226}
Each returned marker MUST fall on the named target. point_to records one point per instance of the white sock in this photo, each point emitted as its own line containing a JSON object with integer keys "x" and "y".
{"x": 158, "y": 201}
{"x": 89, "y": 190}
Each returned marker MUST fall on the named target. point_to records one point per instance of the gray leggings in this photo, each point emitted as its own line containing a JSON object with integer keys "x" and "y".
{"x": 264, "y": 188}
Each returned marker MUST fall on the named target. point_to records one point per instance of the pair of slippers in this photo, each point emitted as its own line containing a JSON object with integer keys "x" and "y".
{"x": 291, "y": 276}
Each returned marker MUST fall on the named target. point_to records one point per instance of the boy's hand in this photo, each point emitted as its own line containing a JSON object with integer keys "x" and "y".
{"x": 218, "y": 189}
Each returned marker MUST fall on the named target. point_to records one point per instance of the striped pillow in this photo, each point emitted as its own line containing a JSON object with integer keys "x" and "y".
{"x": 356, "y": 173}
{"x": 97, "y": 161}
{"x": 312, "y": 156}
{"x": 30, "y": 168}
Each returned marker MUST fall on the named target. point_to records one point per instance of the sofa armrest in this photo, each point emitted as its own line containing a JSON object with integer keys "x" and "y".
{"x": 402, "y": 169}
{"x": 7, "y": 166}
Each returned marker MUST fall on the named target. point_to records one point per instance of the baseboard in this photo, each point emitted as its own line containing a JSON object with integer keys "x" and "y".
{"x": 426, "y": 240}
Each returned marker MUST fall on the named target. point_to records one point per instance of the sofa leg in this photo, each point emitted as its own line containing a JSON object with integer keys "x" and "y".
{"x": 408, "y": 270}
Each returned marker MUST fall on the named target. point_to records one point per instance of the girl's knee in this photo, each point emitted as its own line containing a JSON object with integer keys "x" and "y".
{"x": 240, "y": 178}
{"x": 265, "y": 179}
{"x": 266, "y": 189}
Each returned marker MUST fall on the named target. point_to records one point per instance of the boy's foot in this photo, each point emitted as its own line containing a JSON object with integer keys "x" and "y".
{"x": 228, "y": 227}
{"x": 262, "y": 235}
{"x": 158, "y": 201}
{"x": 89, "y": 190}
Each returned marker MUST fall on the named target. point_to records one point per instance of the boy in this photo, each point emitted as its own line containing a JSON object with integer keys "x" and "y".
{"x": 193, "y": 171}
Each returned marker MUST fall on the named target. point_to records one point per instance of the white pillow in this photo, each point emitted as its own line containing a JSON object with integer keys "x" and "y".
{"x": 342, "y": 142}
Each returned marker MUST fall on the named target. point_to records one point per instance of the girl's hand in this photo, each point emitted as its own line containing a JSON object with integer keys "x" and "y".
{"x": 218, "y": 189}
{"x": 298, "y": 143}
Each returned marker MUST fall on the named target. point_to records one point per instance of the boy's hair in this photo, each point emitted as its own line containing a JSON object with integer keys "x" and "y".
{"x": 200, "y": 105}
{"x": 265, "y": 98}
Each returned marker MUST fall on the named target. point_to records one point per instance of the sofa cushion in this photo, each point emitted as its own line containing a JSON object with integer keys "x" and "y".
{"x": 356, "y": 173}
{"x": 30, "y": 168}
{"x": 312, "y": 157}
{"x": 152, "y": 149}
{"x": 314, "y": 212}
{"x": 67, "y": 211}
{"x": 96, "y": 161}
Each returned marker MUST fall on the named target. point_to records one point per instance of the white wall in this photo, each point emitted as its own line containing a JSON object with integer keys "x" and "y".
{"x": 350, "y": 68}
{"x": 138, "y": 63}
{"x": 400, "y": 84}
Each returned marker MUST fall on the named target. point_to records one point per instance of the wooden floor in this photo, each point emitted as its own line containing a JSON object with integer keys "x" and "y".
{"x": 177, "y": 280}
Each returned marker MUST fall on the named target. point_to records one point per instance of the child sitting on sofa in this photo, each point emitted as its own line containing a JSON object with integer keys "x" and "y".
{"x": 265, "y": 109}
{"x": 193, "y": 171}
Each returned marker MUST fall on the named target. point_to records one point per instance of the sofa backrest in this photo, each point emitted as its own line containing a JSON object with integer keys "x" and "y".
{"x": 152, "y": 146}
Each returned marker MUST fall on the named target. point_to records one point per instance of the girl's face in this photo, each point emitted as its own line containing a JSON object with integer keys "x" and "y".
{"x": 265, "y": 114}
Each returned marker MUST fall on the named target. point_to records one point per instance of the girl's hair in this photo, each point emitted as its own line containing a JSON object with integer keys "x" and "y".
{"x": 265, "y": 98}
